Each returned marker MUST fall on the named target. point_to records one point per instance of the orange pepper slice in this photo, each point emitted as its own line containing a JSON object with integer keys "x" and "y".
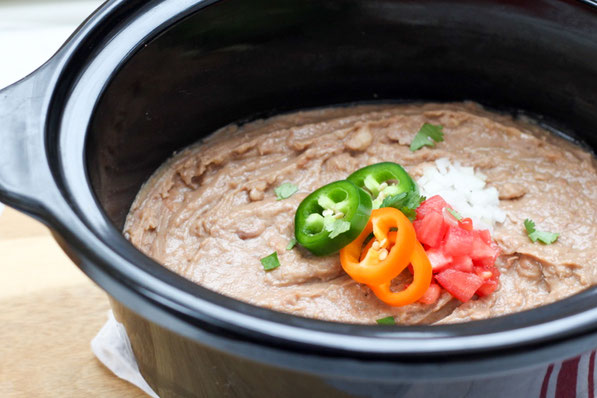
{"x": 391, "y": 240}
{"x": 371, "y": 269}
{"x": 421, "y": 280}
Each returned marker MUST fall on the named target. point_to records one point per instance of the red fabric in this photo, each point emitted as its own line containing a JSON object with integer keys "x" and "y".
{"x": 545, "y": 384}
{"x": 567, "y": 377}
{"x": 591, "y": 375}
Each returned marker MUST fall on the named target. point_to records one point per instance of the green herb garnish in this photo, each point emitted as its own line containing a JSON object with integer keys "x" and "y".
{"x": 454, "y": 213}
{"x": 291, "y": 244}
{"x": 285, "y": 190}
{"x": 335, "y": 226}
{"x": 428, "y": 135}
{"x": 270, "y": 262}
{"x": 406, "y": 202}
{"x": 389, "y": 320}
{"x": 541, "y": 236}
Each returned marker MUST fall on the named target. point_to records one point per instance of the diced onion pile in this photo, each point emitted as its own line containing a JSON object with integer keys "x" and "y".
{"x": 465, "y": 190}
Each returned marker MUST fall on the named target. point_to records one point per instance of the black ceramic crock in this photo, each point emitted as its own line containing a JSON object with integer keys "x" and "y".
{"x": 141, "y": 79}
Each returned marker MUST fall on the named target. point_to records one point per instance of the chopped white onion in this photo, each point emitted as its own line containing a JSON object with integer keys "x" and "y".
{"x": 464, "y": 189}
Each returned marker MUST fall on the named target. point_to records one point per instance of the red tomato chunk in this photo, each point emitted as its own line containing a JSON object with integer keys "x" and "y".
{"x": 462, "y": 259}
{"x": 466, "y": 223}
{"x": 462, "y": 263}
{"x": 433, "y": 204}
{"x": 438, "y": 259}
{"x": 431, "y": 295}
{"x": 461, "y": 285}
{"x": 481, "y": 250}
{"x": 431, "y": 229}
{"x": 490, "y": 276}
{"x": 458, "y": 242}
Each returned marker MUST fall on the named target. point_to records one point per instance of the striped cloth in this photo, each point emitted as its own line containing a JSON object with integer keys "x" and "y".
{"x": 572, "y": 378}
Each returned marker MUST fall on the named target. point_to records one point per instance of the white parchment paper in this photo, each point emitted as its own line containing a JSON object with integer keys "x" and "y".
{"x": 113, "y": 348}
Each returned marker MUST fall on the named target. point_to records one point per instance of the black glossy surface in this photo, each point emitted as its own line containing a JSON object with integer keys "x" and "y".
{"x": 238, "y": 60}
{"x": 175, "y": 366}
{"x": 234, "y": 60}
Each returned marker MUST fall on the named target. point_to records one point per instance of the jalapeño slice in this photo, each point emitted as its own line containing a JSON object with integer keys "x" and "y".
{"x": 382, "y": 180}
{"x": 331, "y": 217}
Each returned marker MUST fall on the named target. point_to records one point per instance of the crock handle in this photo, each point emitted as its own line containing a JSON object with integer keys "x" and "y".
{"x": 26, "y": 181}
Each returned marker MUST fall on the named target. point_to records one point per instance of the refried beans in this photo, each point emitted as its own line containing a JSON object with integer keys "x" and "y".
{"x": 210, "y": 213}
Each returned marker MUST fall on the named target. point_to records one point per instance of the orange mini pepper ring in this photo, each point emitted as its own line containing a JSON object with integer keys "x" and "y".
{"x": 371, "y": 270}
{"x": 421, "y": 280}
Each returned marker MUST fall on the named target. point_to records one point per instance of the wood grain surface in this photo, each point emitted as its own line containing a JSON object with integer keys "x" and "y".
{"x": 49, "y": 312}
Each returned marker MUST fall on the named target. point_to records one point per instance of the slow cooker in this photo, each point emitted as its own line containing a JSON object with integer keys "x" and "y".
{"x": 142, "y": 79}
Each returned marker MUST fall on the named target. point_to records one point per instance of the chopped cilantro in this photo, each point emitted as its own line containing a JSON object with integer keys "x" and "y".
{"x": 270, "y": 262}
{"x": 394, "y": 200}
{"x": 454, "y": 213}
{"x": 285, "y": 190}
{"x": 335, "y": 226}
{"x": 541, "y": 236}
{"x": 428, "y": 135}
{"x": 389, "y": 320}
{"x": 406, "y": 202}
{"x": 291, "y": 244}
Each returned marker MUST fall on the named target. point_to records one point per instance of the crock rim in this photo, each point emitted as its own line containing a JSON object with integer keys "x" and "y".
{"x": 94, "y": 240}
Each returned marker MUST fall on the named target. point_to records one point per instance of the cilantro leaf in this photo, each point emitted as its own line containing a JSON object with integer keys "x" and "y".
{"x": 411, "y": 214}
{"x": 529, "y": 225}
{"x": 389, "y": 320}
{"x": 453, "y": 212}
{"x": 406, "y": 202}
{"x": 291, "y": 244}
{"x": 541, "y": 236}
{"x": 414, "y": 199}
{"x": 285, "y": 190}
{"x": 544, "y": 237}
{"x": 394, "y": 200}
{"x": 335, "y": 226}
{"x": 270, "y": 262}
{"x": 428, "y": 135}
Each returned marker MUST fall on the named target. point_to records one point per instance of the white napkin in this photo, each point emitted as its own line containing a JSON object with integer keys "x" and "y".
{"x": 113, "y": 348}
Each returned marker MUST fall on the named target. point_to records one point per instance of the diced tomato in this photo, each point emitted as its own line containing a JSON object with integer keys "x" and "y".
{"x": 461, "y": 285}
{"x": 439, "y": 261}
{"x": 480, "y": 249}
{"x": 484, "y": 254}
{"x": 485, "y": 235}
{"x": 484, "y": 262}
{"x": 462, "y": 259}
{"x": 434, "y": 204}
{"x": 431, "y": 229}
{"x": 458, "y": 242}
{"x": 466, "y": 223}
{"x": 490, "y": 276}
{"x": 431, "y": 295}
{"x": 462, "y": 263}
{"x": 417, "y": 224}
{"x": 485, "y": 273}
{"x": 487, "y": 288}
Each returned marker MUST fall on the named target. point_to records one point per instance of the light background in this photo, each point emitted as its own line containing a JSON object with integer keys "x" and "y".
{"x": 49, "y": 310}
{"x": 32, "y": 31}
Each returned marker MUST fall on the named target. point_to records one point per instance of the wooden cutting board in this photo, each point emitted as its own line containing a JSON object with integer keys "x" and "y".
{"x": 49, "y": 312}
